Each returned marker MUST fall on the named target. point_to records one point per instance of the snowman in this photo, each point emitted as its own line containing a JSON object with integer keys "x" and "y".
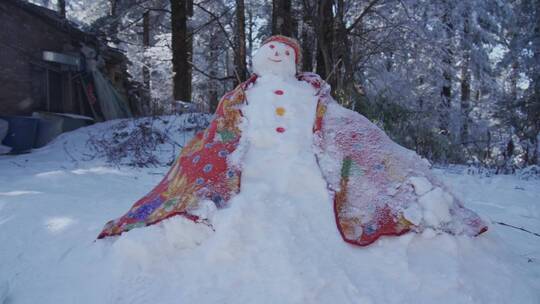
{"x": 278, "y": 127}
{"x": 280, "y": 141}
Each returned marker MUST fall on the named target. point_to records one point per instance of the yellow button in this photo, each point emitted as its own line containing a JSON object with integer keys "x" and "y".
{"x": 280, "y": 111}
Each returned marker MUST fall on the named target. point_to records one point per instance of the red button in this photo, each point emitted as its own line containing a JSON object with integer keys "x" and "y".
{"x": 280, "y": 129}
{"x": 278, "y": 92}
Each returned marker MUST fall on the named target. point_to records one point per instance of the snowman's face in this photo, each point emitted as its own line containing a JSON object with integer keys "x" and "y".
{"x": 275, "y": 58}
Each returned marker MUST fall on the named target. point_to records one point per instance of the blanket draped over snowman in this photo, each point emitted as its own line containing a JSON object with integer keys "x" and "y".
{"x": 379, "y": 187}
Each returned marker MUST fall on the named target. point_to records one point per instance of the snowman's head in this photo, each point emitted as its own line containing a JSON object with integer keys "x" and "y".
{"x": 277, "y": 56}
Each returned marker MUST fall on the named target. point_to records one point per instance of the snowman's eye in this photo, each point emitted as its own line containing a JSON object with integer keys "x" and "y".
{"x": 287, "y": 53}
{"x": 272, "y": 46}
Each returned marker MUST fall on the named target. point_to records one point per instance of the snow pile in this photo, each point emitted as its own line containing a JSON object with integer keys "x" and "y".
{"x": 276, "y": 243}
{"x": 435, "y": 203}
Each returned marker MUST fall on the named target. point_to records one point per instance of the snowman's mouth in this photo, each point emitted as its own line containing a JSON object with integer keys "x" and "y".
{"x": 274, "y": 60}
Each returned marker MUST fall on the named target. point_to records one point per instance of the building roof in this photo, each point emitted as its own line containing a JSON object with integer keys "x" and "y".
{"x": 54, "y": 19}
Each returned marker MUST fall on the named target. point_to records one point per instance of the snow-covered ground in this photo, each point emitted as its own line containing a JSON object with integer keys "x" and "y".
{"x": 55, "y": 201}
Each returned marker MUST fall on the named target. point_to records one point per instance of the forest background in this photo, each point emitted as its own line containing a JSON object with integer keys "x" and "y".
{"x": 456, "y": 81}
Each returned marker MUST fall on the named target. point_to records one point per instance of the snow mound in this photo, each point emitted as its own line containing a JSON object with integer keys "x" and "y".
{"x": 272, "y": 245}
{"x": 252, "y": 259}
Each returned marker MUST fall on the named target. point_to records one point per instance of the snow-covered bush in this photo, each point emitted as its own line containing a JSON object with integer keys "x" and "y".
{"x": 530, "y": 172}
{"x": 141, "y": 142}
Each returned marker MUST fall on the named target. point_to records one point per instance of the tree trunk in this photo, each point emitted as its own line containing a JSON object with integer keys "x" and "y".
{"x": 446, "y": 90}
{"x": 181, "y": 49}
{"x": 535, "y": 99}
{"x": 282, "y": 21}
{"x": 146, "y": 45}
{"x": 325, "y": 40}
{"x": 62, "y": 8}
{"x": 250, "y": 37}
{"x": 112, "y": 30}
{"x": 240, "y": 54}
{"x": 487, "y": 155}
{"x": 113, "y": 7}
{"x": 344, "y": 71}
{"x": 308, "y": 36}
{"x": 213, "y": 57}
{"x": 465, "y": 100}
{"x": 307, "y": 46}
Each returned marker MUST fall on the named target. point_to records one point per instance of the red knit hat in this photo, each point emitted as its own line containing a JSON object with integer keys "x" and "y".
{"x": 289, "y": 42}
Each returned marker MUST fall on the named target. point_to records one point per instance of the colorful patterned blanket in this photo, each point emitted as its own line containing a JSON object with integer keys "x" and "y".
{"x": 379, "y": 187}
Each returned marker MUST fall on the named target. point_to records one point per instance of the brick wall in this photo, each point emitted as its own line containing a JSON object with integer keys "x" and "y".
{"x": 23, "y": 38}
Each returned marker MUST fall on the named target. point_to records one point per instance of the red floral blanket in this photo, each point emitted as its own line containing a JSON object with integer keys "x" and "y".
{"x": 379, "y": 187}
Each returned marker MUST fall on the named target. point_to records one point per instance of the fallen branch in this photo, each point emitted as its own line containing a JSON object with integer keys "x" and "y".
{"x": 518, "y": 228}
{"x": 333, "y": 70}
{"x": 208, "y": 75}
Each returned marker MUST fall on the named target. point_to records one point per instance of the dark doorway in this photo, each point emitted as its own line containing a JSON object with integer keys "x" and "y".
{"x": 55, "y": 92}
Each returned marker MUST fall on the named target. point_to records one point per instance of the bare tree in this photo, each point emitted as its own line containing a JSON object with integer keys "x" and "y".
{"x": 240, "y": 53}
{"x": 182, "y": 46}
{"x": 282, "y": 21}
{"x": 325, "y": 39}
{"x": 465, "y": 99}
